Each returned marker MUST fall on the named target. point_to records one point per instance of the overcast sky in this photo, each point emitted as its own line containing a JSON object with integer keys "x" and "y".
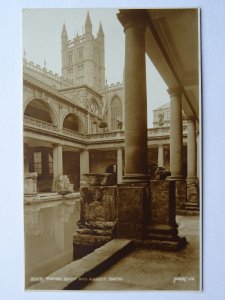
{"x": 42, "y": 42}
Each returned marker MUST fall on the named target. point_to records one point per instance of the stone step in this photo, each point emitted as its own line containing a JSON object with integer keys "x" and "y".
{"x": 191, "y": 204}
{"x": 78, "y": 273}
{"x": 169, "y": 245}
{"x": 187, "y": 212}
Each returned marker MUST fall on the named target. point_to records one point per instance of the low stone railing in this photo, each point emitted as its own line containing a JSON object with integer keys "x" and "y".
{"x": 39, "y": 124}
{"x": 101, "y": 136}
{"x": 74, "y": 134}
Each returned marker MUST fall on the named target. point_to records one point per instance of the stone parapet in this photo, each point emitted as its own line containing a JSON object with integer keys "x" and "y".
{"x": 162, "y": 232}
{"x": 132, "y": 211}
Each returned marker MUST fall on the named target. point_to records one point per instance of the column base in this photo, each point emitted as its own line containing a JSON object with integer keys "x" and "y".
{"x": 168, "y": 245}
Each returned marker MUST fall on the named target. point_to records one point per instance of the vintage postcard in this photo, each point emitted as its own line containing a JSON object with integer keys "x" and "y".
{"x": 112, "y": 149}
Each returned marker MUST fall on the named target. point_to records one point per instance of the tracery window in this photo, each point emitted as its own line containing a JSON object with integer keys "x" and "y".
{"x": 116, "y": 113}
{"x": 94, "y": 107}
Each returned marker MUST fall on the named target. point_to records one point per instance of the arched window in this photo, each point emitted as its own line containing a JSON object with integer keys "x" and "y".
{"x": 38, "y": 110}
{"x": 116, "y": 113}
{"x": 94, "y": 107}
{"x": 72, "y": 122}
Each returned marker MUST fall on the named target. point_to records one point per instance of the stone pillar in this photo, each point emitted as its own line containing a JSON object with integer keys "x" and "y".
{"x": 176, "y": 146}
{"x": 84, "y": 164}
{"x": 176, "y": 133}
{"x": 192, "y": 182}
{"x": 57, "y": 163}
{"x": 160, "y": 156}
{"x": 136, "y": 163}
{"x": 191, "y": 150}
{"x": 119, "y": 165}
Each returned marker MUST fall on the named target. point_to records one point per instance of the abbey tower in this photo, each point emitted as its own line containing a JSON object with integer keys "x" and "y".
{"x": 83, "y": 58}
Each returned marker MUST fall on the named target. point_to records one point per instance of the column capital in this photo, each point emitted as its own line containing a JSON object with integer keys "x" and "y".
{"x": 174, "y": 91}
{"x": 133, "y": 18}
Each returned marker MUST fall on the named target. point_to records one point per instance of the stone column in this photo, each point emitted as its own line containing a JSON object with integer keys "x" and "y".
{"x": 57, "y": 162}
{"x": 160, "y": 156}
{"x": 176, "y": 133}
{"x": 119, "y": 165}
{"x": 84, "y": 164}
{"x": 191, "y": 150}
{"x": 136, "y": 163}
{"x": 192, "y": 182}
{"x": 176, "y": 146}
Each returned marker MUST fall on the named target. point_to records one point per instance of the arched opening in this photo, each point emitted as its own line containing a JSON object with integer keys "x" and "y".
{"x": 72, "y": 122}
{"x": 38, "y": 110}
{"x": 116, "y": 113}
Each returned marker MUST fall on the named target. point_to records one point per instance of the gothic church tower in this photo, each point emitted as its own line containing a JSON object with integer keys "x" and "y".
{"x": 83, "y": 58}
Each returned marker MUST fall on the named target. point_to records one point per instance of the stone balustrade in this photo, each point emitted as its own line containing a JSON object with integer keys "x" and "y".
{"x": 35, "y": 123}
{"x": 95, "y": 137}
{"x": 74, "y": 134}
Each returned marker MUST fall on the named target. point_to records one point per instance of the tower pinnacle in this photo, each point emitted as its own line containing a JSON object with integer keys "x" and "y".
{"x": 64, "y": 32}
{"x": 88, "y": 24}
{"x": 100, "y": 31}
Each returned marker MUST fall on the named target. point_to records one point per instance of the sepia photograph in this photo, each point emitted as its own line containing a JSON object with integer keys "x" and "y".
{"x": 112, "y": 149}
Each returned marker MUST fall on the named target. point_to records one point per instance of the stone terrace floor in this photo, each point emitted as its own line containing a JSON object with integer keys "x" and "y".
{"x": 157, "y": 270}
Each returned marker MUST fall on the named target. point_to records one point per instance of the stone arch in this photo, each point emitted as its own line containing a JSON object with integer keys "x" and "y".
{"x": 41, "y": 110}
{"x": 73, "y": 122}
{"x": 115, "y": 112}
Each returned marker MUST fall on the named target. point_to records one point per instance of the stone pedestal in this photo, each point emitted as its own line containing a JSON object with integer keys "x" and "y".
{"x": 30, "y": 184}
{"x": 192, "y": 202}
{"x": 133, "y": 211}
{"x": 181, "y": 194}
{"x": 162, "y": 232}
{"x": 99, "y": 205}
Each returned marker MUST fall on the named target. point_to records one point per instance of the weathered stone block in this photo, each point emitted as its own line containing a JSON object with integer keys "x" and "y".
{"x": 181, "y": 194}
{"x": 162, "y": 232}
{"x": 162, "y": 202}
{"x": 192, "y": 191}
{"x": 98, "y": 204}
{"x": 30, "y": 184}
{"x": 131, "y": 211}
